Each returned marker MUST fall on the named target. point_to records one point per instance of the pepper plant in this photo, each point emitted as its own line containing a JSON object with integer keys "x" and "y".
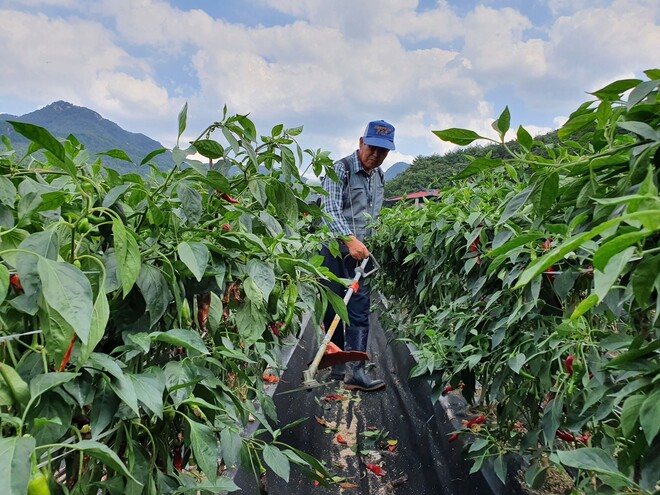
{"x": 139, "y": 311}
{"x": 534, "y": 283}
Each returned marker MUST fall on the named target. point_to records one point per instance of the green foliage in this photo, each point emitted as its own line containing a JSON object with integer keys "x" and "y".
{"x": 536, "y": 283}
{"x": 139, "y": 313}
{"x": 440, "y": 171}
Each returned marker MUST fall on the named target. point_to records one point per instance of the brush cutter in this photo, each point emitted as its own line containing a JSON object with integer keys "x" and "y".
{"x": 328, "y": 353}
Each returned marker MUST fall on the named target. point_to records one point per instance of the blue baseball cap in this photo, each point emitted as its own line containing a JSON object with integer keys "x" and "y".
{"x": 379, "y": 133}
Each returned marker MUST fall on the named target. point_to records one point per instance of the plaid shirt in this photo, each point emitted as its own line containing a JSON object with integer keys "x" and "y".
{"x": 333, "y": 203}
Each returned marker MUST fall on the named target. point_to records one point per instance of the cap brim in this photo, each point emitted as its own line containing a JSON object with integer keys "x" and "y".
{"x": 380, "y": 143}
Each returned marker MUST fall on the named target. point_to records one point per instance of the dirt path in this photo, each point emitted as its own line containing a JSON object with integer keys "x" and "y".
{"x": 395, "y": 432}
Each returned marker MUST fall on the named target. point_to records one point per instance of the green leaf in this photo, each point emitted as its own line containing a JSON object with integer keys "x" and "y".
{"x": 539, "y": 265}
{"x": 503, "y": 122}
{"x": 616, "y": 245}
{"x": 100, "y": 317}
{"x": 220, "y": 485}
{"x": 181, "y": 337}
{"x": 183, "y": 116}
{"x": 585, "y": 305}
{"x": 47, "y": 381}
{"x": 231, "y": 446}
{"x": 101, "y": 452}
{"x": 153, "y": 154}
{"x": 41, "y": 137}
{"x": 117, "y": 155}
{"x": 155, "y": 291}
{"x": 478, "y": 165}
{"x": 630, "y": 414}
{"x": 149, "y": 387}
{"x": 123, "y": 387}
{"x": 603, "y": 280}
{"x": 263, "y": 275}
{"x": 209, "y": 148}
{"x": 518, "y": 241}
{"x": 616, "y": 89}
{"x": 648, "y": 416}
{"x": 640, "y": 128}
{"x": 645, "y": 277}
{"x": 591, "y": 459}
{"x": 14, "y": 385}
{"x": 549, "y": 190}
{"x": 195, "y": 255}
{"x": 4, "y": 282}
{"x": 338, "y": 305}
{"x": 15, "y": 465}
{"x": 499, "y": 465}
{"x": 127, "y": 252}
{"x": 7, "y": 192}
{"x": 69, "y": 293}
{"x": 640, "y": 92}
{"x": 277, "y": 461}
{"x": 516, "y": 203}
{"x": 191, "y": 202}
{"x": 524, "y": 138}
{"x": 576, "y": 124}
{"x": 204, "y": 445}
{"x": 462, "y": 137}
{"x": 516, "y": 362}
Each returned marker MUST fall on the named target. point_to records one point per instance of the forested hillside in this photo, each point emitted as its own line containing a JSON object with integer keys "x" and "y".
{"x": 435, "y": 171}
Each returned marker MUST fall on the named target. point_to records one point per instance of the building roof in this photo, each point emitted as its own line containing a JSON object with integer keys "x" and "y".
{"x": 416, "y": 195}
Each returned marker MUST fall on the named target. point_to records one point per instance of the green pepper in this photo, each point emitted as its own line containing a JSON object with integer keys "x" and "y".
{"x": 291, "y": 296}
{"x": 38, "y": 484}
{"x": 83, "y": 226}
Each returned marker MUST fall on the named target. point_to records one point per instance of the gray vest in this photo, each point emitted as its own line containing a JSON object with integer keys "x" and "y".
{"x": 363, "y": 196}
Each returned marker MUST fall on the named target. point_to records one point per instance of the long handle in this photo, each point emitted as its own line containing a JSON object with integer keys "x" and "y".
{"x": 309, "y": 373}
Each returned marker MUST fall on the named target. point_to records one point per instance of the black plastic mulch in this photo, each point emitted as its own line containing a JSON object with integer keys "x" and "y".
{"x": 422, "y": 462}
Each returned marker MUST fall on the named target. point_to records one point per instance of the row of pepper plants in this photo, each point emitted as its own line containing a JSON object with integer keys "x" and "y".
{"x": 533, "y": 286}
{"x": 138, "y": 312}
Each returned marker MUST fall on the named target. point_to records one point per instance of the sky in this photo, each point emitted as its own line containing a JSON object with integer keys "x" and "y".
{"x": 327, "y": 65}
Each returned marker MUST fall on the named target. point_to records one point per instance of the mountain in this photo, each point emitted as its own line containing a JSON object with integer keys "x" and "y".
{"x": 93, "y": 131}
{"x": 395, "y": 170}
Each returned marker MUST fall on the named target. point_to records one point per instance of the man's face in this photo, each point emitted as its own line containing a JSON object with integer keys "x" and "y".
{"x": 371, "y": 156}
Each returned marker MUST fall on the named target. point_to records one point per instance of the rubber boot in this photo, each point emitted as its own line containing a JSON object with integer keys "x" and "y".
{"x": 338, "y": 372}
{"x": 356, "y": 340}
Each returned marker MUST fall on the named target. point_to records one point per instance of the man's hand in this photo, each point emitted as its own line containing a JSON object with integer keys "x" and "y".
{"x": 356, "y": 249}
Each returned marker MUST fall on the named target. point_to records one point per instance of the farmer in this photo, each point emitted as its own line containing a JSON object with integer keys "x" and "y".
{"x": 352, "y": 204}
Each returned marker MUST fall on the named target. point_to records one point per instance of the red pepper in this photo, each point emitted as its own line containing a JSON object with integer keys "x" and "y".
{"x": 584, "y": 438}
{"x": 274, "y": 328}
{"x": 568, "y": 364}
{"x": 15, "y": 283}
{"x": 475, "y": 421}
{"x": 564, "y": 435}
{"x": 453, "y": 437}
{"x": 177, "y": 460}
{"x": 474, "y": 247}
{"x": 547, "y": 243}
{"x": 228, "y": 198}
{"x": 550, "y": 272}
{"x": 226, "y": 227}
{"x": 447, "y": 389}
{"x": 67, "y": 354}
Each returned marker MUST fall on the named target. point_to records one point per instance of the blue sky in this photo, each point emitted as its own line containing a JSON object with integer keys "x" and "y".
{"x": 329, "y": 66}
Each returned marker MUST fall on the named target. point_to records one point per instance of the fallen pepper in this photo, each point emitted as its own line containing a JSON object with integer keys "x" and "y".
{"x": 453, "y": 437}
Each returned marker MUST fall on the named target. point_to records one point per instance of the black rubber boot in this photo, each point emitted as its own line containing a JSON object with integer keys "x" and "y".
{"x": 338, "y": 372}
{"x": 356, "y": 340}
